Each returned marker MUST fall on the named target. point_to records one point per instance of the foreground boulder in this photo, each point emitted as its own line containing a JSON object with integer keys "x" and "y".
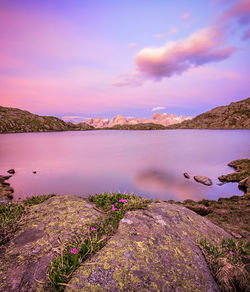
{"x": 155, "y": 249}
{"x": 25, "y": 261}
{"x": 203, "y": 180}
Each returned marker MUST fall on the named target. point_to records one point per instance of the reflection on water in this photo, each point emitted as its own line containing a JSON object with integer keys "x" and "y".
{"x": 167, "y": 183}
{"x": 150, "y": 163}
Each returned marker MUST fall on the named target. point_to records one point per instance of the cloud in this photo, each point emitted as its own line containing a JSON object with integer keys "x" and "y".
{"x": 185, "y": 16}
{"x": 239, "y": 12}
{"x": 173, "y": 30}
{"x": 157, "y": 108}
{"x": 131, "y": 46}
{"x": 159, "y": 36}
{"x": 128, "y": 79}
{"x": 199, "y": 48}
{"x": 74, "y": 119}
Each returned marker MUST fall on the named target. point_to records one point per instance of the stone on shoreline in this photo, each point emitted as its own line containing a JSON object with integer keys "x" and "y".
{"x": 203, "y": 180}
{"x": 153, "y": 250}
{"x": 11, "y": 171}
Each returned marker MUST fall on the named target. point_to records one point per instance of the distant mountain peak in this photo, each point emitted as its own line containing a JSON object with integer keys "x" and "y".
{"x": 157, "y": 118}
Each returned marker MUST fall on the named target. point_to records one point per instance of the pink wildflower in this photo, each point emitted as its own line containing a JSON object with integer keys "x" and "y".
{"x": 123, "y": 200}
{"x": 230, "y": 252}
{"x": 116, "y": 203}
{"x": 74, "y": 250}
{"x": 113, "y": 208}
{"x": 120, "y": 210}
{"x": 93, "y": 229}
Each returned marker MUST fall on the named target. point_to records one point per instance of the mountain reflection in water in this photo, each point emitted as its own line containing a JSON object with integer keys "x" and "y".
{"x": 165, "y": 182}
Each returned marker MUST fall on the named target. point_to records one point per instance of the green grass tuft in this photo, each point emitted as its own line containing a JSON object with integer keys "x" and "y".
{"x": 34, "y": 200}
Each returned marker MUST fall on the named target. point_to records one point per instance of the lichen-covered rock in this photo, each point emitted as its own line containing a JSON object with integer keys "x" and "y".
{"x": 203, "y": 180}
{"x": 154, "y": 250}
{"x": 25, "y": 262}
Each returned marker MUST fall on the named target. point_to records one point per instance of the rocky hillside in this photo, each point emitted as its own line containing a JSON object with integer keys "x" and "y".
{"x": 13, "y": 120}
{"x": 119, "y": 120}
{"x": 236, "y": 115}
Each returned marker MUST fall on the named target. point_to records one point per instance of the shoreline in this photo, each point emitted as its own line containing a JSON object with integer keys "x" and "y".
{"x": 121, "y": 129}
{"x": 39, "y": 233}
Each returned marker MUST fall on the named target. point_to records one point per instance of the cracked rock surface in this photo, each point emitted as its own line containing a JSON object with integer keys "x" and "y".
{"x": 153, "y": 250}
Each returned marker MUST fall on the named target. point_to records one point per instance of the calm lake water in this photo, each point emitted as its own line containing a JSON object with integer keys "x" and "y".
{"x": 149, "y": 163}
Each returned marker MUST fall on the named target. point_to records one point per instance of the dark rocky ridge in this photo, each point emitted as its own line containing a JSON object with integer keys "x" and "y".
{"x": 13, "y": 120}
{"x": 236, "y": 115}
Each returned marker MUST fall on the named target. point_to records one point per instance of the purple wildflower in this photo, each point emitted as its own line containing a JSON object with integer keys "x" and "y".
{"x": 120, "y": 210}
{"x": 93, "y": 229}
{"x": 113, "y": 208}
{"x": 230, "y": 252}
{"x": 116, "y": 203}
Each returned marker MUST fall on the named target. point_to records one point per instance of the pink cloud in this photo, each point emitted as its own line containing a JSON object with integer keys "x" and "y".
{"x": 173, "y": 30}
{"x": 240, "y": 12}
{"x": 131, "y": 46}
{"x": 199, "y": 48}
{"x": 185, "y": 16}
{"x": 160, "y": 36}
{"x": 128, "y": 79}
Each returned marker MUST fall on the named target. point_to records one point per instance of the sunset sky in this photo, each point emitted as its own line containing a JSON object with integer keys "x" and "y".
{"x": 99, "y": 58}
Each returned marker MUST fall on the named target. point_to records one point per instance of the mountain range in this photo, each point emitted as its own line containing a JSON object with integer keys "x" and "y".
{"x": 159, "y": 119}
{"x": 236, "y": 115}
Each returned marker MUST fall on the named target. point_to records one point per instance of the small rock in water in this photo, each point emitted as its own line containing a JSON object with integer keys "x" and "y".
{"x": 7, "y": 177}
{"x": 220, "y": 184}
{"x": 186, "y": 175}
{"x": 34, "y": 172}
{"x": 11, "y": 171}
{"x": 203, "y": 180}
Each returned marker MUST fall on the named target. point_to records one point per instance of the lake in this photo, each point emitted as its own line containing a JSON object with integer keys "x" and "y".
{"x": 149, "y": 163}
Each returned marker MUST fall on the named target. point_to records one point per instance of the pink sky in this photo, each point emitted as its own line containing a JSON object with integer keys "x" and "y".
{"x": 105, "y": 57}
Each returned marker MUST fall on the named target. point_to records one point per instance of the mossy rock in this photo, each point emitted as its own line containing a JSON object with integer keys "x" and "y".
{"x": 25, "y": 261}
{"x": 153, "y": 250}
